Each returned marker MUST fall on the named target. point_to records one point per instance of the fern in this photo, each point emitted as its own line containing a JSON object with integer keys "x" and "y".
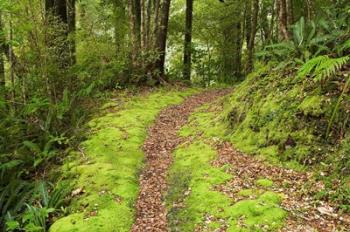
{"x": 7, "y": 167}
{"x": 310, "y": 66}
{"x": 322, "y": 67}
{"x": 344, "y": 47}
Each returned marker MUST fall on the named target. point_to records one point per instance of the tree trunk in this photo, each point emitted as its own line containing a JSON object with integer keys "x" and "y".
{"x": 248, "y": 20}
{"x": 251, "y": 15}
{"x": 251, "y": 42}
{"x": 238, "y": 51}
{"x": 162, "y": 38}
{"x": 2, "y": 53}
{"x": 155, "y": 22}
{"x": 188, "y": 41}
{"x": 117, "y": 11}
{"x": 283, "y": 26}
{"x": 275, "y": 24}
{"x": 134, "y": 34}
{"x": 148, "y": 23}
{"x": 143, "y": 25}
{"x": 264, "y": 25}
{"x": 58, "y": 9}
{"x": 12, "y": 62}
{"x": 290, "y": 12}
{"x": 71, "y": 29}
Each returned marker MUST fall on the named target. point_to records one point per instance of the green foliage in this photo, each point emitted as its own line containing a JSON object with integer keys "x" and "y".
{"x": 323, "y": 67}
{"x": 312, "y": 41}
{"x": 35, "y": 218}
{"x": 28, "y": 206}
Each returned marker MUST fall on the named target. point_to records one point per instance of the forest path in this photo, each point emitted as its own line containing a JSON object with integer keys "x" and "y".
{"x": 214, "y": 187}
{"x": 162, "y": 140}
{"x": 193, "y": 178}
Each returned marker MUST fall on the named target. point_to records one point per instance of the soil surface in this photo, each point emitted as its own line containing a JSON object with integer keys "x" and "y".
{"x": 162, "y": 140}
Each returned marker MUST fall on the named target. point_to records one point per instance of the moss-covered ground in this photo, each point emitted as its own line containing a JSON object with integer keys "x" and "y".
{"x": 193, "y": 200}
{"x": 281, "y": 129}
{"x": 285, "y": 119}
{"x": 106, "y": 169}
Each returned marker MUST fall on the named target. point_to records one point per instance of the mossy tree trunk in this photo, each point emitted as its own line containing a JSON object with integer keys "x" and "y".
{"x": 63, "y": 12}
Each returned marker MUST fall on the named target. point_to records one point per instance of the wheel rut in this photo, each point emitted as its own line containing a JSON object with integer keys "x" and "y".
{"x": 151, "y": 212}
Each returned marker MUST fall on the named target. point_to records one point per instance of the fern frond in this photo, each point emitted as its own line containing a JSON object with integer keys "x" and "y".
{"x": 345, "y": 46}
{"x": 330, "y": 67}
{"x": 322, "y": 67}
{"x": 309, "y": 66}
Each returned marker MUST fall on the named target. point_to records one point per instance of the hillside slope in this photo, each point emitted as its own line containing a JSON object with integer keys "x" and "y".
{"x": 285, "y": 119}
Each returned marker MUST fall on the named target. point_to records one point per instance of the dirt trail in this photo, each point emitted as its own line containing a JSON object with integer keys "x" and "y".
{"x": 162, "y": 140}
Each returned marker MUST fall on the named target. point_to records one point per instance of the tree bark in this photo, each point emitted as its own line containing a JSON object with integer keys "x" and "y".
{"x": 2, "y": 53}
{"x": 134, "y": 34}
{"x": 12, "y": 62}
{"x": 64, "y": 12}
{"x": 264, "y": 25}
{"x": 251, "y": 41}
{"x": 155, "y": 22}
{"x": 273, "y": 17}
{"x": 248, "y": 20}
{"x": 252, "y": 9}
{"x": 143, "y": 25}
{"x": 188, "y": 41}
{"x": 283, "y": 26}
{"x": 57, "y": 8}
{"x": 71, "y": 21}
{"x": 290, "y": 12}
{"x": 162, "y": 38}
{"x": 238, "y": 53}
{"x": 148, "y": 23}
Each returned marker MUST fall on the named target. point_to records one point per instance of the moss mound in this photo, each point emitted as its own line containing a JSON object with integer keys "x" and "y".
{"x": 285, "y": 119}
{"x": 264, "y": 183}
{"x": 109, "y": 164}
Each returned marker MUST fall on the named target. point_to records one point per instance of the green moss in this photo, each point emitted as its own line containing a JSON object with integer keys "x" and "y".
{"x": 258, "y": 214}
{"x": 192, "y": 180}
{"x": 204, "y": 121}
{"x": 264, "y": 183}
{"x": 264, "y": 112}
{"x": 109, "y": 166}
{"x": 312, "y": 105}
{"x": 193, "y": 176}
{"x": 246, "y": 192}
